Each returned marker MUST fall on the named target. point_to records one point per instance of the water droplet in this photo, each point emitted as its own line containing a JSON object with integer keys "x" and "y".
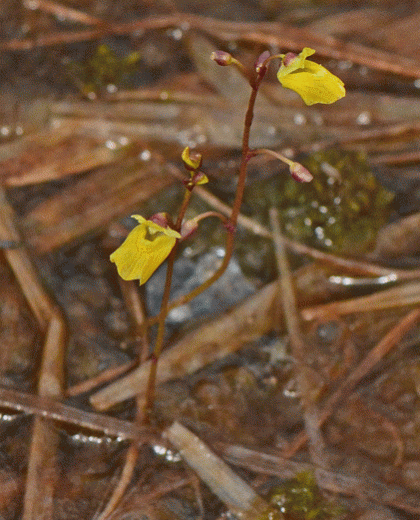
{"x": 364, "y": 118}
{"x": 31, "y": 4}
{"x": 176, "y": 34}
{"x": 110, "y": 144}
{"x": 345, "y": 64}
{"x": 55, "y": 123}
{"x": 123, "y": 140}
{"x": 192, "y": 136}
{"x": 180, "y": 314}
{"x": 317, "y": 119}
{"x": 169, "y": 455}
{"x": 111, "y": 88}
{"x": 291, "y": 389}
{"x": 363, "y": 70}
{"x": 299, "y": 119}
{"x": 288, "y": 152}
{"x": 319, "y": 232}
{"x": 145, "y": 155}
{"x": 329, "y": 170}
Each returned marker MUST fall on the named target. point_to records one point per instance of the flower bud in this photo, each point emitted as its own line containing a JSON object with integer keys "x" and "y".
{"x": 300, "y": 173}
{"x": 200, "y": 178}
{"x": 288, "y": 58}
{"x": 162, "y": 219}
{"x": 192, "y": 160}
{"x": 261, "y": 59}
{"x": 222, "y": 58}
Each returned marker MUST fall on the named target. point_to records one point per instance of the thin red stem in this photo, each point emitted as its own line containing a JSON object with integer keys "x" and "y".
{"x": 230, "y": 227}
{"x": 151, "y": 383}
{"x": 233, "y": 218}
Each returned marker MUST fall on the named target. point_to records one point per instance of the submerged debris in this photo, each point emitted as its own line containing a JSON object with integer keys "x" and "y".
{"x": 103, "y": 71}
{"x": 342, "y": 209}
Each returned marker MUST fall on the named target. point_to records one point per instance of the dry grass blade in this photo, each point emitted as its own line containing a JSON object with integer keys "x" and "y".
{"x": 63, "y": 165}
{"x": 64, "y": 13}
{"x": 405, "y": 294}
{"x": 22, "y": 267}
{"x": 333, "y": 481}
{"x": 41, "y": 476}
{"x": 54, "y": 410}
{"x": 270, "y": 34}
{"x": 42, "y": 467}
{"x": 240, "y": 499}
{"x": 138, "y": 314}
{"x": 92, "y": 203}
{"x": 306, "y": 382}
{"x": 104, "y": 377}
{"x": 361, "y": 371}
{"x": 123, "y": 482}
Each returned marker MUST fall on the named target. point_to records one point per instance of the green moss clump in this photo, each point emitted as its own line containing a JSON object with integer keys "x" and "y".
{"x": 301, "y": 499}
{"x": 341, "y": 210}
{"x": 103, "y": 68}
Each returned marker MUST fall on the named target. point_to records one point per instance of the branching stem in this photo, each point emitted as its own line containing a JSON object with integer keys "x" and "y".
{"x": 230, "y": 226}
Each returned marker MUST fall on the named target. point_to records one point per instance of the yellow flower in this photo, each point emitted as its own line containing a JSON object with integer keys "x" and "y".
{"x": 313, "y": 82}
{"x": 144, "y": 249}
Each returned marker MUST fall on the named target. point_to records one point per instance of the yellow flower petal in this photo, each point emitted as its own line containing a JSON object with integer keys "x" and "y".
{"x": 146, "y": 247}
{"x": 313, "y": 82}
{"x": 152, "y": 227}
{"x": 296, "y": 63}
{"x": 202, "y": 179}
{"x": 191, "y": 160}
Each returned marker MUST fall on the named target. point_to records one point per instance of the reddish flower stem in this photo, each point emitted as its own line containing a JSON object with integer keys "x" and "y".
{"x": 151, "y": 383}
{"x": 230, "y": 226}
{"x": 233, "y": 218}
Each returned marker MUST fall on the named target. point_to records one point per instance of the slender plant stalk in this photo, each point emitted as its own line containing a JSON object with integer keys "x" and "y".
{"x": 151, "y": 383}
{"x": 233, "y": 218}
{"x": 230, "y": 225}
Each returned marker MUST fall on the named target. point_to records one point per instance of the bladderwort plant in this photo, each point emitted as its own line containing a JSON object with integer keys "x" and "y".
{"x": 153, "y": 241}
